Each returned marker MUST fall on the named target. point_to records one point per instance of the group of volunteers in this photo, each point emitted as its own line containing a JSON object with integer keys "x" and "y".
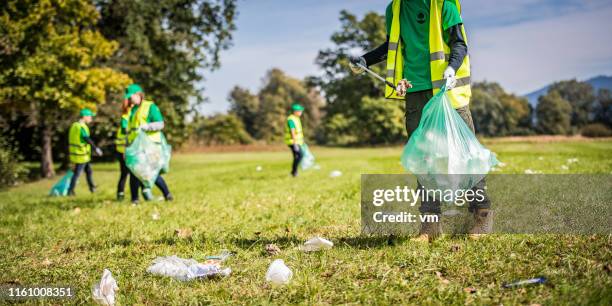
{"x": 137, "y": 114}
{"x": 426, "y": 49}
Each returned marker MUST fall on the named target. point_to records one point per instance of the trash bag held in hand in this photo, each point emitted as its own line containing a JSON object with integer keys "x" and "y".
{"x": 308, "y": 160}
{"x": 167, "y": 154}
{"x": 145, "y": 158}
{"x": 443, "y": 152}
{"x": 60, "y": 189}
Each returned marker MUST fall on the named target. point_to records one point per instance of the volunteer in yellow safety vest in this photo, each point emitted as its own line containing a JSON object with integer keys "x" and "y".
{"x": 120, "y": 144}
{"x": 294, "y": 136}
{"x": 426, "y": 48}
{"x": 145, "y": 116}
{"x": 80, "y": 145}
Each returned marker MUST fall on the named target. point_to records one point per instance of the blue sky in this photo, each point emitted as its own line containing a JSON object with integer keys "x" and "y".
{"x": 522, "y": 44}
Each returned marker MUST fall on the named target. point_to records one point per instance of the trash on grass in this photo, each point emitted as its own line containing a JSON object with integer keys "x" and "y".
{"x": 532, "y": 281}
{"x": 60, "y": 189}
{"x": 186, "y": 269}
{"x": 258, "y": 168}
{"x": 335, "y": 173}
{"x": 217, "y": 259}
{"x": 529, "y": 171}
{"x": 572, "y": 160}
{"x": 155, "y": 215}
{"x": 316, "y": 244}
{"x": 278, "y": 273}
{"x": 104, "y": 292}
{"x": 564, "y": 167}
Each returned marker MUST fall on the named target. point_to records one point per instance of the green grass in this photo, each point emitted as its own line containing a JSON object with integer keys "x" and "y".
{"x": 229, "y": 205}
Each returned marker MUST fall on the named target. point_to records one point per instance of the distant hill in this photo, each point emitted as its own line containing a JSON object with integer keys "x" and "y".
{"x": 597, "y": 82}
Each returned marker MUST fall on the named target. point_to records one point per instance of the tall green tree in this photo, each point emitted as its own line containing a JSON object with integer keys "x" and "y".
{"x": 165, "y": 46}
{"x": 602, "y": 111}
{"x": 498, "y": 113}
{"x": 554, "y": 114}
{"x": 349, "y": 96}
{"x": 50, "y": 65}
{"x": 245, "y": 106}
{"x": 581, "y": 97}
{"x": 264, "y": 114}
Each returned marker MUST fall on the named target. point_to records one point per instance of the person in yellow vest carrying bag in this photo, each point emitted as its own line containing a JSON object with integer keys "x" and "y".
{"x": 80, "y": 145}
{"x": 294, "y": 136}
{"x": 120, "y": 144}
{"x": 145, "y": 116}
{"x": 426, "y": 48}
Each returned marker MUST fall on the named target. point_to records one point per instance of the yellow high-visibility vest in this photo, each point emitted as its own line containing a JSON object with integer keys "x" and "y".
{"x": 120, "y": 137}
{"x": 439, "y": 53}
{"x": 139, "y": 118}
{"x": 299, "y": 137}
{"x": 80, "y": 151}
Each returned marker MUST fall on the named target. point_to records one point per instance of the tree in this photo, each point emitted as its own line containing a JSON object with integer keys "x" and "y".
{"x": 346, "y": 118}
{"x": 554, "y": 114}
{"x": 245, "y": 106}
{"x": 220, "y": 130}
{"x": 497, "y": 113}
{"x": 264, "y": 114}
{"x": 580, "y": 95}
{"x": 165, "y": 46}
{"x": 602, "y": 111}
{"x": 50, "y": 65}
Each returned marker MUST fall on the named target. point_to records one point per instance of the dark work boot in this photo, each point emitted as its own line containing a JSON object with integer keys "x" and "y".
{"x": 483, "y": 223}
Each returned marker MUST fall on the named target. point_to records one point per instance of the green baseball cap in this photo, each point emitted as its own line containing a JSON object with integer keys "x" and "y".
{"x": 132, "y": 89}
{"x": 87, "y": 112}
{"x": 297, "y": 107}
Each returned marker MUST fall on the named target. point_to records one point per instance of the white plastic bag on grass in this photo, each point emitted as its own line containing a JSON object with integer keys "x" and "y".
{"x": 278, "y": 273}
{"x": 185, "y": 269}
{"x": 316, "y": 244}
{"x": 104, "y": 292}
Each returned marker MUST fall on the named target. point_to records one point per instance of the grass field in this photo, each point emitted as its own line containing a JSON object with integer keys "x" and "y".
{"x": 230, "y": 205}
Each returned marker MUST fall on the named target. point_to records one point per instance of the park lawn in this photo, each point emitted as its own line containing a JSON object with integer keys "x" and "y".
{"x": 230, "y": 205}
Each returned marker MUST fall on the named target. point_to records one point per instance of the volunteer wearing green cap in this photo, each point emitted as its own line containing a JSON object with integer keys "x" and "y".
{"x": 80, "y": 145}
{"x": 426, "y": 48}
{"x": 145, "y": 116}
{"x": 294, "y": 136}
{"x": 120, "y": 144}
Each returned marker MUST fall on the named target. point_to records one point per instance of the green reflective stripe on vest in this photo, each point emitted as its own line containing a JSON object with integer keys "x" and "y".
{"x": 80, "y": 151}
{"x": 438, "y": 53}
{"x": 139, "y": 118}
{"x": 120, "y": 137}
{"x": 395, "y": 61}
{"x": 299, "y": 137}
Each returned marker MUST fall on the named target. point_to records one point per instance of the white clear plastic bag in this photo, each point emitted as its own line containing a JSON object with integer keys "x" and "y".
{"x": 278, "y": 273}
{"x": 104, "y": 292}
{"x": 185, "y": 269}
{"x": 316, "y": 244}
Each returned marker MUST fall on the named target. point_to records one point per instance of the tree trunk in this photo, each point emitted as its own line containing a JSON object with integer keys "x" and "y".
{"x": 46, "y": 163}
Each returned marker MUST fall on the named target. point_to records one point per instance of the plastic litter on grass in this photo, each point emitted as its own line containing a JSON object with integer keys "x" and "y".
{"x": 104, "y": 292}
{"x": 316, "y": 244}
{"x": 278, "y": 273}
{"x": 186, "y": 269}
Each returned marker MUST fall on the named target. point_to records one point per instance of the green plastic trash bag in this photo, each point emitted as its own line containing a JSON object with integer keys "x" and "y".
{"x": 146, "y": 159}
{"x": 308, "y": 160}
{"x": 60, "y": 189}
{"x": 443, "y": 152}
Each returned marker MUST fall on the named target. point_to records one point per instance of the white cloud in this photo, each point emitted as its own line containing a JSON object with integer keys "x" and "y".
{"x": 526, "y": 56}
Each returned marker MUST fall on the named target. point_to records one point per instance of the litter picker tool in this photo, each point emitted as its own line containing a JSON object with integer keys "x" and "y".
{"x": 374, "y": 74}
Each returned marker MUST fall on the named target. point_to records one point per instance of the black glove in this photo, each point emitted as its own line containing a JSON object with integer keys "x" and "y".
{"x": 354, "y": 61}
